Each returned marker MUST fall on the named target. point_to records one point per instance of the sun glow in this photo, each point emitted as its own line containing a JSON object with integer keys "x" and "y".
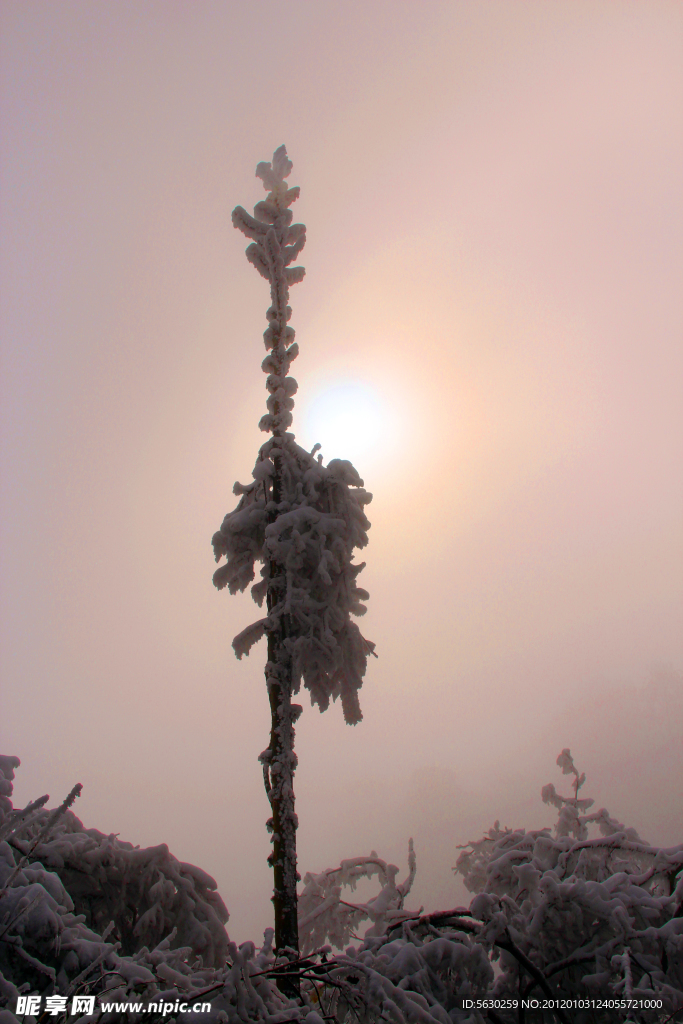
{"x": 350, "y": 421}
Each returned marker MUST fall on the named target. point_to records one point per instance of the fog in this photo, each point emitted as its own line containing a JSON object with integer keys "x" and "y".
{"x": 493, "y": 204}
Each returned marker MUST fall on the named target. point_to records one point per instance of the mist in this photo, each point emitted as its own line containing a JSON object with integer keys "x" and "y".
{"x": 493, "y": 210}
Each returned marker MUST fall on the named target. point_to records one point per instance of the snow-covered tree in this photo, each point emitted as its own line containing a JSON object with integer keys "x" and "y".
{"x": 574, "y": 916}
{"x": 300, "y": 521}
{"x": 86, "y": 914}
{"x": 593, "y": 925}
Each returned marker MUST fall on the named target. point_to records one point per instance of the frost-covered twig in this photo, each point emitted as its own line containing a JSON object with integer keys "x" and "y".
{"x": 511, "y": 947}
{"x": 23, "y": 907}
{"x": 89, "y": 968}
{"x": 43, "y": 834}
{"x": 18, "y": 819}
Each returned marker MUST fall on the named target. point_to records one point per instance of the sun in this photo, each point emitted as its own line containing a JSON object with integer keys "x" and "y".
{"x": 349, "y": 420}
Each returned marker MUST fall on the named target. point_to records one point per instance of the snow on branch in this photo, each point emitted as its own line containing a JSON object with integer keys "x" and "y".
{"x": 561, "y": 919}
{"x": 299, "y": 521}
{"x": 593, "y": 916}
{"x": 308, "y": 546}
{"x": 324, "y": 915}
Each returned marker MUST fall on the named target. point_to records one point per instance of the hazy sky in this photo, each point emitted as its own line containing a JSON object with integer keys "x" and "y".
{"x": 492, "y": 191}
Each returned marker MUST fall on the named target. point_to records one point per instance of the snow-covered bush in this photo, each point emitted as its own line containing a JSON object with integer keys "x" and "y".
{"x": 47, "y": 948}
{"x": 568, "y": 914}
{"x": 139, "y": 895}
{"x": 414, "y": 975}
{"x": 557, "y": 914}
{"x": 323, "y": 914}
{"x": 84, "y": 913}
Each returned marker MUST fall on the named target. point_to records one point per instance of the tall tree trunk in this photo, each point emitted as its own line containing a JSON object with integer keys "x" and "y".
{"x": 293, "y": 479}
{"x": 279, "y": 763}
{"x": 320, "y": 586}
{"x": 280, "y": 769}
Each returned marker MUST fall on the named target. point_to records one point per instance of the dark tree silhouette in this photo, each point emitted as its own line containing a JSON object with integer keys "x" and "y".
{"x": 302, "y": 521}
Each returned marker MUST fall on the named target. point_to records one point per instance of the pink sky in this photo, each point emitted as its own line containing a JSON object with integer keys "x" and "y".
{"x": 493, "y": 203}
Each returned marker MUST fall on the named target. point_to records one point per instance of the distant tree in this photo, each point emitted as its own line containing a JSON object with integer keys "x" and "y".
{"x": 301, "y": 521}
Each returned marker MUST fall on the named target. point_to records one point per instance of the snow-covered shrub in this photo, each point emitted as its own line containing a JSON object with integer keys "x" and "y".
{"x": 412, "y": 976}
{"x": 139, "y": 895}
{"x": 85, "y": 913}
{"x": 47, "y": 948}
{"x": 404, "y": 970}
{"x": 570, "y": 915}
{"x": 561, "y": 914}
{"x": 323, "y": 914}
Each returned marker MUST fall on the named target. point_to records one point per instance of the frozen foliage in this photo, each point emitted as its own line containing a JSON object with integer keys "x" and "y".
{"x": 306, "y": 553}
{"x": 568, "y": 914}
{"x": 48, "y": 947}
{"x": 299, "y": 520}
{"x": 139, "y": 894}
{"x": 409, "y": 968}
{"x": 571, "y": 821}
{"x": 323, "y": 914}
{"x": 81, "y": 911}
{"x": 560, "y": 916}
{"x": 417, "y": 974}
